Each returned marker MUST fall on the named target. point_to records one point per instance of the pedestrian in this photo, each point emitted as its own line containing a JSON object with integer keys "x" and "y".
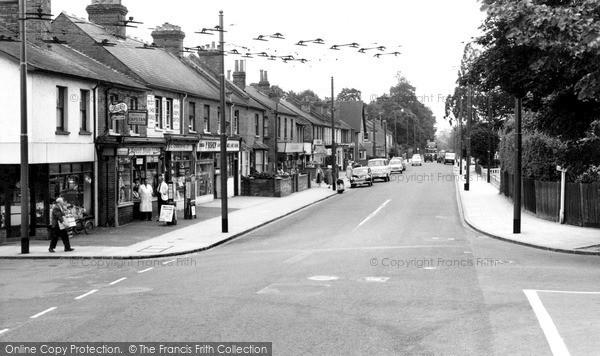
{"x": 58, "y": 215}
{"x": 349, "y": 171}
{"x": 328, "y": 177}
{"x": 163, "y": 193}
{"x": 145, "y": 190}
{"x": 319, "y": 175}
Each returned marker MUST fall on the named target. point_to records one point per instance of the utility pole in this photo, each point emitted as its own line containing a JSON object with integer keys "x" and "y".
{"x": 224, "y": 212}
{"x": 517, "y": 180}
{"x": 374, "y": 140}
{"x": 24, "y": 136}
{"x": 469, "y": 113}
{"x": 333, "y": 153}
{"x": 489, "y": 150}
{"x": 460, "y": 136}
{"x": 395, "y": 133}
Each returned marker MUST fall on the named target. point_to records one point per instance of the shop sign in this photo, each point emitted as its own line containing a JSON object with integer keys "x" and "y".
{"x": 179, "y": 147}
{"x": 137, "y": 117}
{"x": 293, "y": 147}
{"x": 138, "y": 151}
{"x": 118, "y": 108}
{"x": 318, "y": 142}
{"x": 117, "y": 117}
{"x": 215, "y": 146}
{"x": 307, "y": 148}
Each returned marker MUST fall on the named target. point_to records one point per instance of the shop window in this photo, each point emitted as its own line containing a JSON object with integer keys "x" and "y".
{"x": 124, "y": 179}
{"x": 75, "y": 188}
{"x": 84, "y": 112}
{"x": 61, "y": 109}
{"x": 192, "y": 116}
{"x": 133, "y": 105}
{"x": 203, "y": 178}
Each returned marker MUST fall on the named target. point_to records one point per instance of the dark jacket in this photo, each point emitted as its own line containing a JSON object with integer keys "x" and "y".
{"x": 57, "y": 215}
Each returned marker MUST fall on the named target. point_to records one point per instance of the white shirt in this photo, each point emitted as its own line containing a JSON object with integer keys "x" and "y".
{"x": 163, "y": 189}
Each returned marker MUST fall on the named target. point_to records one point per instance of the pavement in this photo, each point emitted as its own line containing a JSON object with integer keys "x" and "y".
{"x": 152, "y": 239}
{"x": 488, "y": 211}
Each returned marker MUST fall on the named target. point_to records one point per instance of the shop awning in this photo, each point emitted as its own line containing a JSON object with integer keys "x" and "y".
{"x": 260, "y": 146}
{"x": 290, "y": 147}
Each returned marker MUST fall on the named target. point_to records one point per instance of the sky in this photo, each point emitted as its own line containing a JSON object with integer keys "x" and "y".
{"x": 428, "y": 33}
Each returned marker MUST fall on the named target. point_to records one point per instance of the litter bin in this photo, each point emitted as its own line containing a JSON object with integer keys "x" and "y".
{"x": 340, "y": 186}
{"x": 190, "y": 209}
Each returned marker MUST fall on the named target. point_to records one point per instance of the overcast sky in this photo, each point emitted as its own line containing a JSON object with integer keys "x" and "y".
{"x": 428, "y": 33}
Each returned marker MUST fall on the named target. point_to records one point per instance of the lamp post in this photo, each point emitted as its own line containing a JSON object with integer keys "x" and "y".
{"x": 333, "y": 153}
{"x": 469, "y": 112}
{"x": 385, "y": 151}
{"x": 517, "y": 180}
{"x": 24, "y": 137}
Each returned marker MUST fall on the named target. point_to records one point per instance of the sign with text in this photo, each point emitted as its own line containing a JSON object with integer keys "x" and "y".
{"x": 166, "y": 213}
{"x": 138, "y": 151}
{"x": 117, "y": 108}
{"x": 215, "y": 146}
{"x": 180, "y": 147}
{"x": 137, "y": 117}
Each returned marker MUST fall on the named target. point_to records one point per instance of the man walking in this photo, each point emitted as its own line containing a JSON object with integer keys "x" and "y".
{"x": 163, "y": 193}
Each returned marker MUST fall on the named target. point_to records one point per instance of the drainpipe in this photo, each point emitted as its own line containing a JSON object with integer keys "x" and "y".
{"x": 95, "y": 170}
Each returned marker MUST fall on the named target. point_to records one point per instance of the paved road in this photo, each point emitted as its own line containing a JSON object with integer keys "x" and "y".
{"x": 388, "y": 269}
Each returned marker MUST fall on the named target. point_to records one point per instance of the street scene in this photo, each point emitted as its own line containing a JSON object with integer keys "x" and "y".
{"x": 233, "y": 183}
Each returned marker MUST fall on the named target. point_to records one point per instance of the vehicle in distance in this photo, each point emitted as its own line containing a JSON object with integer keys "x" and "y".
{"x": 361, "y": 176}
{"x": 380, "y": 169}
{"x": 396, "y": 165}
{"x": 428, "y": 156}
{"x": 440, "y": 156}
{"x": 449, "y": 157}
{"x": 416, "y": 159}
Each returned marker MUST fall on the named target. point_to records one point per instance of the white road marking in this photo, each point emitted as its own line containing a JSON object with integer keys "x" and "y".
{"x": 86, "y": 294}
{"x": 145, "y": 270}
{"x": 324, "y": 278}
{"x": 468, "y": 252}
{"x": 451, "y": 239}
{"x": 435, "y": 238}
{"x": 429, "y": 267}
{"x": 42, "y": 313}
{"x": 298, "y": 257}
{"x": 564, "y": 291}
{"x": 167, "y": 262}
{"x": 117, "y": 281}
{"x": 557, "y": 345}
{"x": 3, "y": 331}
{"x": 377, "y": 279}
{"x": 372, "y": 214}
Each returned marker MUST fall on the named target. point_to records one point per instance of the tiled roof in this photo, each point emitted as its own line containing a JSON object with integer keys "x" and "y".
{"x": 157, "y": 67}
{"x": 64, "y": 60}
{"x": 266, "y": 101}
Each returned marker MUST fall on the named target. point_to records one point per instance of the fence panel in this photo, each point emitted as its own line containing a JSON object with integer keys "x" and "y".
{"x": 573, "y": 212}
{"x": 528, "y": 195}
{"x": 590, "y": 204}
{"x": 547, "y": 197}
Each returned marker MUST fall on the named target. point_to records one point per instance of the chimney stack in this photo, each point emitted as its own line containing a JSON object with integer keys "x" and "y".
{"x": 170, "y": 37}
{"x": 263, "y": 84}
{"x": 239, "y": 75}
{"x": 109, "y": 14}
{"x": 36, "y": 30}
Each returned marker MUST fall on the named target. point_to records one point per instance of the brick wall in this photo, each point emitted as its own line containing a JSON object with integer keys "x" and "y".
{"x": 36, "y": 29}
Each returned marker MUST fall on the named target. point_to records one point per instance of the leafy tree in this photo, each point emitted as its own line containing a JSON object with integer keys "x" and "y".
{"x": 481, "y": 135}
{"x": 303, "y": 96}
{"x": 349, "y": 95}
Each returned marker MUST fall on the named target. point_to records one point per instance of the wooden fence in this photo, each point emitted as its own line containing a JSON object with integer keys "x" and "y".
{"x": 582, "y": 201}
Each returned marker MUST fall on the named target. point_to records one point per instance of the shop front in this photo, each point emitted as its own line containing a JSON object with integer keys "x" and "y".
{"x": 181, "y": 163}
{"x": 291, "y": 156}
{"x": 71, "y": 181}
{"x": 208, "y": 168}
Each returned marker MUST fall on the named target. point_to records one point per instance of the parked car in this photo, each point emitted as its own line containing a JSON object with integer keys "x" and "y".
{"x": 380, "y": 168}
{"x": 416, "y": 159}
{"x": 396, "y": 165}
{"x": 361, "y": 176}
{"x": 449, "y": 157}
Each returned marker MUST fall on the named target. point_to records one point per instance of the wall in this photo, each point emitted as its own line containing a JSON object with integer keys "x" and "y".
{"x": 45, "y": 146}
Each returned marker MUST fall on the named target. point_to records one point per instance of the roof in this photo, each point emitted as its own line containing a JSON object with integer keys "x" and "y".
{"x": 351, "y": 112}
{"x": 156, "y": 66}
{"x": 64, "y": 60}
{"x": 307, "y": 116}
{"x": 268, "y": 102}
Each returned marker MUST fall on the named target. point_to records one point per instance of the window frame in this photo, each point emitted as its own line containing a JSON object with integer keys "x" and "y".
{"x": 61, "y": 110}
{"x": 134, "y": 105}
{"x": 84, "y": 111}
{"x": 206, "y": 118}
{"x": 192, "y": 116}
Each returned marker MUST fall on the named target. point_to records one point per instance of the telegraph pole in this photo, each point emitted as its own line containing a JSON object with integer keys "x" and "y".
{"x": 469, "y": 113}
{"x": 224, "y": 218}
{"x": 517, "y": 180}
{"x": 460, "y": 136}
{"x": 24, "y": 137}
{"x": 489, "y": 150}
{"x": 333, "y": 153}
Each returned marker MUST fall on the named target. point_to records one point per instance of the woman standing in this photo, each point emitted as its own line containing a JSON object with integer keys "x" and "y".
{"x": 58, "y": 214}
{"x": 145, "y": 191}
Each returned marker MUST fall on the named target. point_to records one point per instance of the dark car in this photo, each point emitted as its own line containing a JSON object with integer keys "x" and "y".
{"x": 440, "y": 156}
{"x": 361, "y": 176}
{"x": 428, "y": 156}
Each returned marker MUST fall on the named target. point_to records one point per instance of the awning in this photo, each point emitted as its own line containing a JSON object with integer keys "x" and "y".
{"x": 246, "y": 147}
{"x": 260, "y": 146}
{"x": 290, "y": 147}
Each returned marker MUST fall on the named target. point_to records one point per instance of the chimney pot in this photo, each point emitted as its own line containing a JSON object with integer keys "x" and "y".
{"x": 237, "y": 65}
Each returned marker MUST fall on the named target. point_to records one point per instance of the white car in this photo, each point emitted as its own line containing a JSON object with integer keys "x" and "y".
{"x": 416, "y": 159}
{"x": 380, "y": 169}
{"x": 396, "y": 165}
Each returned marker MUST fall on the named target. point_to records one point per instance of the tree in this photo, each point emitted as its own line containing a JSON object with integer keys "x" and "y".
{"x": 303, "y": 96}
{"x": 349, "y": 95}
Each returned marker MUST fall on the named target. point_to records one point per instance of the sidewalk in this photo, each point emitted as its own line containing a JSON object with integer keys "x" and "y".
{"x": 491, "y": 213}
{"x": 151, "y": 239}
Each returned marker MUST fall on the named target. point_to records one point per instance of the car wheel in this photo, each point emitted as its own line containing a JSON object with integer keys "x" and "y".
{"x": 352, "y": 185}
